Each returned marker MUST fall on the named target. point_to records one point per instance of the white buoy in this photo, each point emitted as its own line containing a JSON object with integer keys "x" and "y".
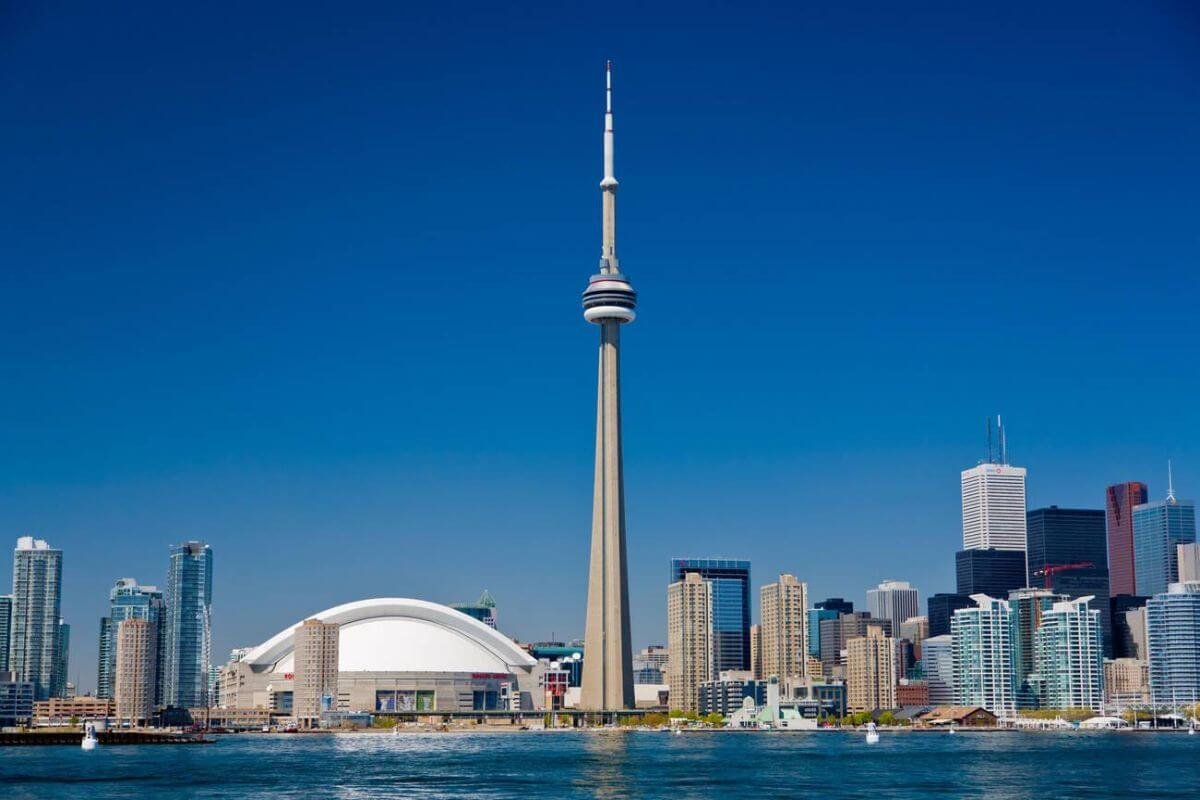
{"x": 89, "y": 737}
{"x": 872, "y": 733}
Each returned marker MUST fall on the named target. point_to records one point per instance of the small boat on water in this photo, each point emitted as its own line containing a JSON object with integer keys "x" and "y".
{"x": 89, "y": 737}
{"x": 872, "y": 733}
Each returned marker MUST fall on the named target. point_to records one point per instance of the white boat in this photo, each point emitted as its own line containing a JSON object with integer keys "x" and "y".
{"x": 951, "y": 731}
{"x": 89, "y": 737}
{"x": 872, "y": 733}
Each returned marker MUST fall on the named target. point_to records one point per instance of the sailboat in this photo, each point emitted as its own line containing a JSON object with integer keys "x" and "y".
{"x": 872, "y": 733}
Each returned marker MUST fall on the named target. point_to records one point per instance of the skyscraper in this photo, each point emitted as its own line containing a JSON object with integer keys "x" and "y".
{"x": 984, "y": 653}
{"x": 871, "y": 671}
{"x": 6, "y": 607}
{"x": 783, "y": 629}
{"x": 1157, "y": 530}
{"x": 815, "y": 615}
{"x": 1173, "y": 637}
{"x": 731, "y": 607}
{"x": 1069, "y": 660}
{"x": 937, "y": 662}
{"x": 689, "y": 639}
{"x": 1187, "y": 558}
{"x": 1028, "y": 607}
{"x": 34, "y": 637}
{"x": 895, "y": 601}
{"x": 993, "y": 507}
{"x": 188, "y": 630}
{"x": 316, "y": 669}
{"x": 1061, "y": 536}
{"x": 127, "y": 600}
{"x": 135, "y": 660}
{"x": 62, "y": 654}
{"x": 941, "y": 607}
{"x": 609, "y": 302}
{"x": 1120, "y": 498}
{"x": 1128, "y": 613}
{"x": 992, "y": 572}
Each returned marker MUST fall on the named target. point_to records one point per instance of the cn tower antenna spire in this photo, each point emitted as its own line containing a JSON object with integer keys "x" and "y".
{"x": 608, "y": 185}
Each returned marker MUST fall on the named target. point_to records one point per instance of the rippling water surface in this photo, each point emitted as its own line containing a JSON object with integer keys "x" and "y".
{"x": 617, "y": 765}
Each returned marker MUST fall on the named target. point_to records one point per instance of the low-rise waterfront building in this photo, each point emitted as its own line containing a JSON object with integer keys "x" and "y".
{"x": 911, "y": 694}
{"x": 725, "y": 695}
{"x": 16, "y": 700}
{"x": 61, "y": 710}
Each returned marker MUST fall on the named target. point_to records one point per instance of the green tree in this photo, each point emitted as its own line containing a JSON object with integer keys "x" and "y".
{"x": 714, "y": 719}
{"x": 887, "y": 718}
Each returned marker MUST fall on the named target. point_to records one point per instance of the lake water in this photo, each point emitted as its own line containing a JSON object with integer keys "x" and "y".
{"x": 617, "y": 765}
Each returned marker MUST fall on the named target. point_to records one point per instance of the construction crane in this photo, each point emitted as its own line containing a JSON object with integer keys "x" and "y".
{"x": 1050, "y": 570}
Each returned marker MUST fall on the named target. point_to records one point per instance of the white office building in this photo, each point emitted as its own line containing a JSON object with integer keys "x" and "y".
{"x": 937, "y": 661}
{"x": 895, "y": 601}
{"x": 993, "y": 507}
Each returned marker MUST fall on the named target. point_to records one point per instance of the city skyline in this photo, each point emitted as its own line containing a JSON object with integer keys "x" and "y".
{"x": 275, "y": 349}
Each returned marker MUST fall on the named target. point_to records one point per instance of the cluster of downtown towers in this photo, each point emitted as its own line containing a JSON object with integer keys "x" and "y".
{"x": 174, "y": 627}
{"x": 1117, "y": 583}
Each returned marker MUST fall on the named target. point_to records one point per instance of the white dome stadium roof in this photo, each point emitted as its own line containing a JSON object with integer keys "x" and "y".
{"x": 395, "y": 634}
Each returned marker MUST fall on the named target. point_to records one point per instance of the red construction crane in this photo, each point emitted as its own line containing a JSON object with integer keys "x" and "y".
{"x": 1050, "y": 570}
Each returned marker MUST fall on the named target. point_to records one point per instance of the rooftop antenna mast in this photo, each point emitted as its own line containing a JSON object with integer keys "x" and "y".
{"x": 1003, "y": 442}
{"x": 1170, "y": 485}
{"x": 989, "y": 437}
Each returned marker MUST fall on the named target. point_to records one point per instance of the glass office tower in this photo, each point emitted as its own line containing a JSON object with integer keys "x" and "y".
{"x": 1059, "y": 536}
{"x": 189, "y": 645}
{"x": 731, "y": 607}
{"x": 1157, "y": 528}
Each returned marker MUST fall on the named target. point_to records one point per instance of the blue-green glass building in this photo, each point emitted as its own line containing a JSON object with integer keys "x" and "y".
{"x": 731, "y": 606}
{"x": 188, "y": 648}
{"x": 1157, "y": 528}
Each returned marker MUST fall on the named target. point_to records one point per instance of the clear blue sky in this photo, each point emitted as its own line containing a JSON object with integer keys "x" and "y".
{"x": 303, "y": 282}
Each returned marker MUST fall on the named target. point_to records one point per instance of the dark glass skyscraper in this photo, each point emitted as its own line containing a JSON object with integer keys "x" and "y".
{"x": 992, "y": 572}
{"x": 941, "y": 608}
{"x": 1119, "y": 500}
{"x": 731, "y": 606}
{"x": 836, "y": 604}
{"x": 1072, "y": 536}
{"x": 189, "y": 645}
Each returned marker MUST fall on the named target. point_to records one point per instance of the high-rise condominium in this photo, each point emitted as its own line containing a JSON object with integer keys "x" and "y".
{"x": 127, "y": 600}
{"x": 188, "y": 629}
{"x": 1066, "y": 536}
{"x": 730, "y": 580}
{"x": 1070, "y": 661}
{"x": 689, "y": 639}
{"x": 316, "y": 669}
{"x": 1158, "y": 528}
{"x": 62, "y": 652}
{"x": 894, "y": 601}
{"x": 6, "y": 606}
{"x": 1028, "y": 606}
{"x": 993, "y": 507}
{"x": 871, "y": 671}
{"x": 783, "y": 629}
{"x": 135, "y": 651}
{"x": 1119, "y": 500}
{"x": 609, "y": 302}
{"x": 34, "y": 638}
{"x": 1172, "y": 634}
{"x": 984, "y": 653}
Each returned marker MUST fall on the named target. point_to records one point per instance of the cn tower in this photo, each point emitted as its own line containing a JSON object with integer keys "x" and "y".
{"x": 608, "y": 301}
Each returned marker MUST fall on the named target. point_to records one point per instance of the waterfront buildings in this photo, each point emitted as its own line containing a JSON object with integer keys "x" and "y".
{"x": 1120, "y": 498}
{"x": 188, "y": 633}
{"x": 894, "y": 601}
{"x": 835, "y": 634}
{"x": 1069, "y": 656}
{"x": 1173, "y": 639}
{"x": 937, "y": 663}
{"x": 871, "y": 671}
{"x": 730, "y": 580}
{"x": 784, "y": 645}
{"x": 609, "y": 302}
{"x": 993, "y": 507}
{"x": 992, "y": 572}
{"x": 483, "y": 609}
{"x": 127, "y": 600}
{"x": 984, "y": 641}
{"x": 912, "y": 694}
{"x": 1187, "y": 559}
{"x": 1028, "y": 607}
{"x": 728, "y": 692}
{"x": 690, "y": 639}
{"x": 16, "y": 700}
{"x": 34, "y": 637}
{"x": 1158, "y": 528}
{"x": 6, "y": 607}
{"x": 1126, "y": 682}
{"x": 135, "y": 646}
{"x": 65, "y": 710}
{"x": 315, "y": 670}
{"x": 940, "y": 607}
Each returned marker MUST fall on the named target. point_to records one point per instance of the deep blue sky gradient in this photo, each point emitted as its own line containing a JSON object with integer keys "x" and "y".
{"x": 302, "y": 281}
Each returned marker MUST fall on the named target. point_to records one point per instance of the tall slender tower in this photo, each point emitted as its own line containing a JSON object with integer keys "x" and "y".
{"x": 608, "y": 301}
